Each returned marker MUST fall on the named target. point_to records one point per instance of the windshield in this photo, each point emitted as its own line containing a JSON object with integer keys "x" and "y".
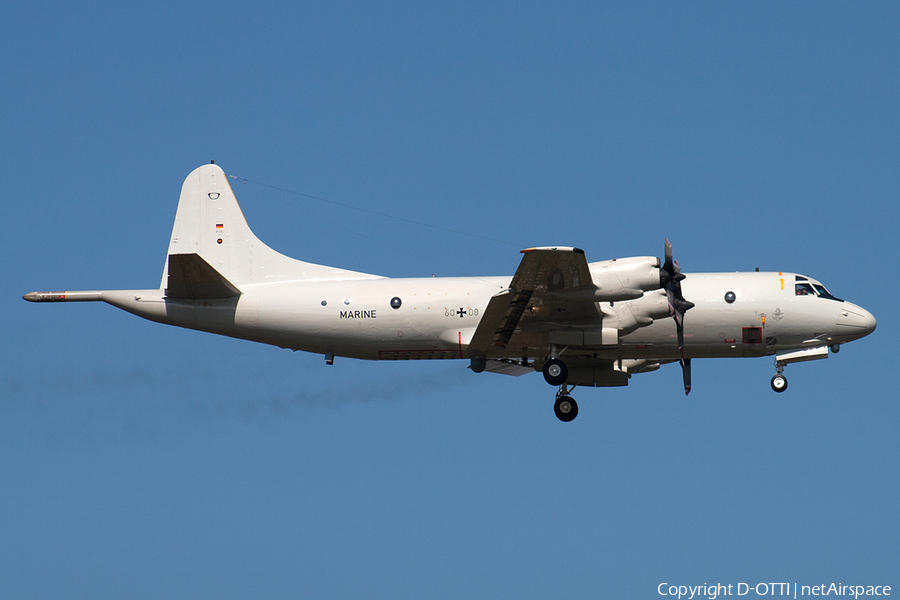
{"x": 823, "y": 293}
{"x": 812, "y": 289}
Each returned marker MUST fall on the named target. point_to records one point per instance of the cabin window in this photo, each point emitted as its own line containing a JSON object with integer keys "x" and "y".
{"x": 752, "y": 335}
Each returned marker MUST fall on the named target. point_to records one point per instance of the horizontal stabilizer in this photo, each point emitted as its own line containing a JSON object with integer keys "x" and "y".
{"x": 192, "y": 278}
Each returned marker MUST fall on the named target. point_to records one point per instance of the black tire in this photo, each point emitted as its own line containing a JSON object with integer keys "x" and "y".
{"x": 779, "y": 383}
{"x": 566, "y": 408}
{"x": 555, "y": 372}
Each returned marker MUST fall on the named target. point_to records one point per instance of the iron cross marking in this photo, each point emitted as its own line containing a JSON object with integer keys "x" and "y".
{"x": 462, "y": 312}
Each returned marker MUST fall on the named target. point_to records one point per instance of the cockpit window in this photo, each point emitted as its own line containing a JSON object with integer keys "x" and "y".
{"x": 813, "y": 289}
{"x": 823, "y": 293}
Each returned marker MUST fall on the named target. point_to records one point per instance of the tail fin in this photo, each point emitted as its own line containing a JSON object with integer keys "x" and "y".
{"x": 209, "y": 223}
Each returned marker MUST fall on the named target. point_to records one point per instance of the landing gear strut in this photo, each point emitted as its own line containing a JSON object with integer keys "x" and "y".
{"x": 565, "y": 407}
{"x": 779, "y": 381}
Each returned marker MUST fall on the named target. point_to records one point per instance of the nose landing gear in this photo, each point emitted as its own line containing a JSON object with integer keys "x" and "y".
{"x": 565, "y": 407}
{"x": 779, "y": 381}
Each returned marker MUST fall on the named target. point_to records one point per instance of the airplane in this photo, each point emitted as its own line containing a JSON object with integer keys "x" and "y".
{"x": 581, "y": 324}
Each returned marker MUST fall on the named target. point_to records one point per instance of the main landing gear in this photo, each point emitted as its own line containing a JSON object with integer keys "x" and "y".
{"x": 779, "y": 381}
{"x": 556, "y": 373}
{"x": 565, "y": 407}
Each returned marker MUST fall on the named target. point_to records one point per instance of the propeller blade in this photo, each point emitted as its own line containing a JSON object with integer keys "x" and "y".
{"x": 681, "y": 306}
{"x": 686, "y": 371}
{"x": 679, "y": 330}
{"x": 669, "y": 264}
{"x": 670, "y": 278}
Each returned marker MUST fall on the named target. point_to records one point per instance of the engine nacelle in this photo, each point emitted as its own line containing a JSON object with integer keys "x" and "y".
{"x": 625, "y": 278}
{"x": 651, "y": 307}
{"x": 628, "y": 316}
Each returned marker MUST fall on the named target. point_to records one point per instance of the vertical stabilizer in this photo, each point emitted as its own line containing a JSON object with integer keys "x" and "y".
{"x": 209, "y": 223}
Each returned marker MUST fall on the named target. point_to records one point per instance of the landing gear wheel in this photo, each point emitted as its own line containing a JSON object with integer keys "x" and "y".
{"x": 565, "y": 408}
{"x": 555, "y": 372}
{"x": 779, "y": 383}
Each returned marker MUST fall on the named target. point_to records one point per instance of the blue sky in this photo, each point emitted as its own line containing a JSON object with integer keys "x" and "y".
{"x": 145, "y": 461}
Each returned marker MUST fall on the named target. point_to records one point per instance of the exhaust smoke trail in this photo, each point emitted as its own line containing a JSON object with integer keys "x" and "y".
{"x": 102, "y": 404}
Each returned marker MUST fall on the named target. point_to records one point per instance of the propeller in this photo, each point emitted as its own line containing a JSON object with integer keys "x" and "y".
{"x": 670, "y": 277}
{"x": 686, "y": 372}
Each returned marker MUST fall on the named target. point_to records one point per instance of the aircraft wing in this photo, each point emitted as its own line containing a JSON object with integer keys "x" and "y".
{"x": 505, "y": 366}
{"x": 551, "y": 286}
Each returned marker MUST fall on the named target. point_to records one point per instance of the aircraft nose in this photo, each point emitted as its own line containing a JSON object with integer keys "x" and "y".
{"x": 869, "y": 322}
{"x": 855, "y": 321}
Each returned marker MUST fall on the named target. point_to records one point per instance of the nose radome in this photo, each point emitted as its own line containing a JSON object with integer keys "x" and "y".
{"x": 856, "y": 318}
{"x": 869, "y": 322}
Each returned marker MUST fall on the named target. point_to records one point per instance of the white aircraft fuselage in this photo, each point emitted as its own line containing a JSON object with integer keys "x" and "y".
{"x": 602, "y": 321}
{"x": 439, "y": 315}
